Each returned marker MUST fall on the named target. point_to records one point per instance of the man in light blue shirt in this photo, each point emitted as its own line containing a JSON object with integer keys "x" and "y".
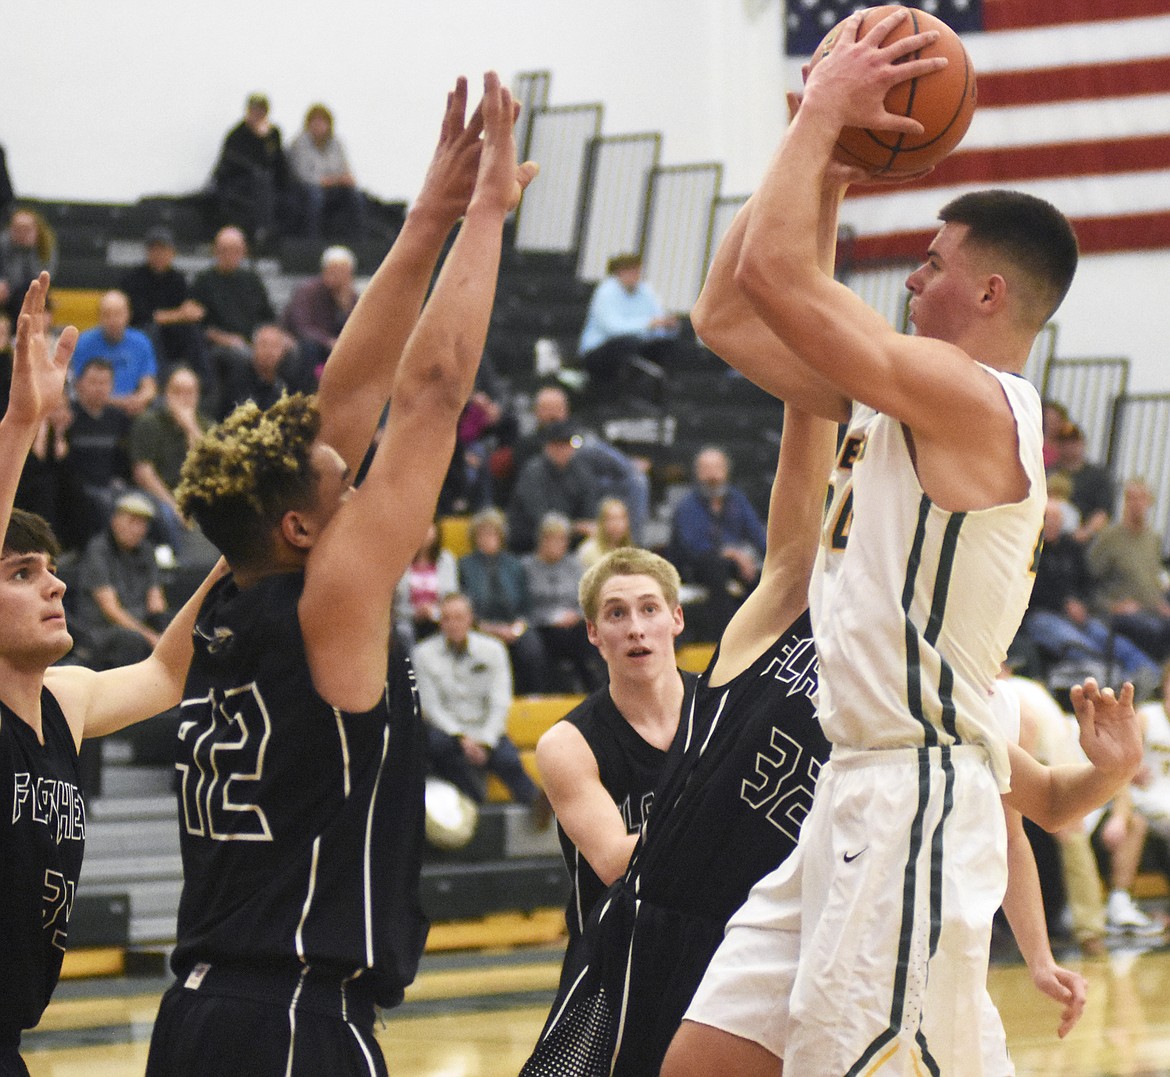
{"x": 129, "y": 351}
{"x": 627, "y": 325}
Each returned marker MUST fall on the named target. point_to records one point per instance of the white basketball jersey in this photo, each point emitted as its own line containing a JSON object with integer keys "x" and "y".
{"x": 1153, "y": 799}
{"x": 914, "y": 607}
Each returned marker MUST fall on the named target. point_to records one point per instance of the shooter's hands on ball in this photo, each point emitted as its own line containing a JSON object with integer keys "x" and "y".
{"x": 848, "y": 83}
{"x": 1111, "y": 734}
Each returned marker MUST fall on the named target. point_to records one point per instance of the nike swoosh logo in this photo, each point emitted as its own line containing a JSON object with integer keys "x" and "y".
{"x": 849, "y": 858}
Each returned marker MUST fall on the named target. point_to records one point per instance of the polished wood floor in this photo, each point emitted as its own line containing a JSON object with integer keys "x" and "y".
{"x": 478, "y": 1015}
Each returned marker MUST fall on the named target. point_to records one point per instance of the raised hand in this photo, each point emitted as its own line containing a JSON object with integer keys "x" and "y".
{"x": 852, "y": 79}
{"x": 38, "y": 378}
{"x": 1111, "y": 733}
{"x": 501, "y": 181}
{"x": 450, "y": 178}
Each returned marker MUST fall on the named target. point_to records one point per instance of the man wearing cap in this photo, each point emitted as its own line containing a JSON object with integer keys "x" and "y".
{"x": 252, "y": 178}
{"x": 554, "y": 481}
{"x": 120, "y": 606}
{"x": 161, "y": 304}
{"x": 1093, "y": 493}
{"x": 129, "y": 351}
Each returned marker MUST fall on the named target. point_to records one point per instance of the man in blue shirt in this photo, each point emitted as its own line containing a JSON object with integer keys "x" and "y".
{"x": 627, "y": 325}
{"x": 129, "y": 351}
{"x": 717, "y": 541}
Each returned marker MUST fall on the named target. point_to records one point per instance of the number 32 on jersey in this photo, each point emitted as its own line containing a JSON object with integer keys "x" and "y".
{"x": 224, "y": 738}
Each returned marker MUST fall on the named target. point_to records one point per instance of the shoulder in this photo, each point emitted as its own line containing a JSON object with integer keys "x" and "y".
{"x": 486, "y": 646}
{"x": 563, "y": 746}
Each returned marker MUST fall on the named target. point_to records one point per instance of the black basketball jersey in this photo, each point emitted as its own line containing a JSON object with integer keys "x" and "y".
{"x": 301, "y": 825}
{"x": 42, "y": 838}
{"x": 629, "y": 768}
{"x": 727, "y": 810}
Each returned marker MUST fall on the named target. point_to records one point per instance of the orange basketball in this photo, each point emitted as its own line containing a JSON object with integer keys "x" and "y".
{"x": 943, "y": 101}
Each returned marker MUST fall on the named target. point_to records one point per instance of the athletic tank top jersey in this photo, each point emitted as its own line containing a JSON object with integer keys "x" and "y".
{"x": 42, "y": 838}
{"x": 727, "y": 810}
{"x": 301, "y": 825}
{"x": 629, "y": 768}
{"x": 1153, "y": 798}
{"x": 914, "y": 607}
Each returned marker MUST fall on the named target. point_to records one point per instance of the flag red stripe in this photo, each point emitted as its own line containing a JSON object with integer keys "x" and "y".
{"x": 1015, "y": 15}
{"x": 1084, "y": 82}
{"x": 1096, "y": 235}
{"x": 1058, "y": 159}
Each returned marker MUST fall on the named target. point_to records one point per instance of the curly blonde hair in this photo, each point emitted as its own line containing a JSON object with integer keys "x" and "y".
{"x": 243, "y": 475}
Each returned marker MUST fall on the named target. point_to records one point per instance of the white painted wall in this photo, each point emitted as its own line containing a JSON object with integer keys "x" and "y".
{"x": 117, "y": 99}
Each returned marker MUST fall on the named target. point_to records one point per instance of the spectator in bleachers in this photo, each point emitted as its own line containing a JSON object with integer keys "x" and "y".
{"x": 1060, "y": 621}
{"x": 319, "y": 308}
{"x": 253, "y": 184}
{"x": 612, "y": 532}
{"x": 27, "y": 247}
{"x": 1122, "y": 835}
{"x": 1092, "y": 485}
{"x": 1053, "y": 417}
{"x": 554, "y": 481}
{"x": 159, "y": 440}
{"x": 96, "y": 470}
{"x": 259, "y": 378}
{"x": 495, "y": 581}
{"x": 626, "y": 327}
{"x": 465, "y": 692}
{"x": 432, "y": 573}
{"x": 469, "y": 484}
{"x": 129, "y": 351}
{"x": 614, "y": 473}
{"x": 1126, "y": 564}
{"x": 717, "y": 541}
{"x": 333, "y": 203}
{"x": 120, "y": 606}
{"x": 234, "y": 298}
{"x": 162, "y": 307}
{"x": 553, "y": 573}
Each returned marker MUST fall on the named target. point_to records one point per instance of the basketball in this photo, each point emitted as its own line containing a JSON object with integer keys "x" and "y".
{"x": 943, "y": 101}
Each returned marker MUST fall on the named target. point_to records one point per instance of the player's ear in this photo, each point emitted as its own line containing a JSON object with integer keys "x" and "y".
{"x": 679, "y": 622}
{"x": 995, "y": 291}
{"x": 297, "y": 530}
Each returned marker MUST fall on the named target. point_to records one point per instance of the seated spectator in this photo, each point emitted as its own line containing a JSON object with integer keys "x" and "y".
{"x": 553, "y": 575}
{"x": 333, "y": 203}
{"x": 626, "y": 326}
{"x": 614, "y": 473}
{"x": 234, "y": 298}
{"x": 554, "y": 481}
{"x": 96, "y": 469}
{"x": 1054, "y": 415}
{"x": 465, "y": 692}
{"x": 159, "y": 441}
{"x": 1092, "y": 486}
{"x": 120, "y": 606}
{"x": 318, "y": 309}
{"x": 612, "y": 532}
{"x": 259, "y": 378}
{"x": 27, "y": 247}
{"x": 1072, "y": 880}
{"x": 495, "y": 582}
{"x": 254, "y": 188}
{"x": 1060, "y": 623}
{"x": 1126, "y": 565}
{"x": 1122, "y": 834}
{"x": 129, "y": 351}
{"x": 432, "y": 573}
{"x": 161, "y": 306}
{"x": 717, "y": 541}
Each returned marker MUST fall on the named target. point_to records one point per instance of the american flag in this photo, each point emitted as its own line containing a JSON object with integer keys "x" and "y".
{"x": 1074, "y": 106}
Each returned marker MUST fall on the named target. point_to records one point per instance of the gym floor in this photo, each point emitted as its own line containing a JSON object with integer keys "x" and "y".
{"x": 478, "y": 1014}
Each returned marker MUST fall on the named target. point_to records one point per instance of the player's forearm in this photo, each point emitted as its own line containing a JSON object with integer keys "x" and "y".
{"x": 16, "y": 439}
{"x": 1075, "y": 790}
{"x": 1023, "y": 903}
{"x": 174, "y": 648}
{"x": 358, "y": 379}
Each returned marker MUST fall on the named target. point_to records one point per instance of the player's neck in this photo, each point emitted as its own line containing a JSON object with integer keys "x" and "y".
{"x": 21, "y": 694}
{"x": 651, "y": 706}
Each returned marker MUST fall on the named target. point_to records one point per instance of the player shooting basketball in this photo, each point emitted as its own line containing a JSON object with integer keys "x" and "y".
{"x": 922, "y": 578}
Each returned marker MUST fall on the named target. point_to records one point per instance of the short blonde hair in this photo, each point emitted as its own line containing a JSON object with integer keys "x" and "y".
{"x": 627, "y": 561}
